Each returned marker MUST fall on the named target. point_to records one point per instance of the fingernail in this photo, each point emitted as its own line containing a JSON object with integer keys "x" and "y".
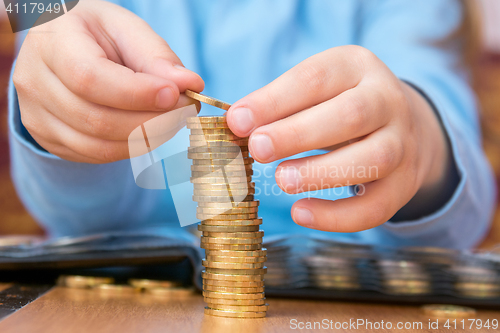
{"x": 165, "y": 98}
{"x": 182, "y": 68}
{"x": 303, "y": 217}
{"x": 242, "y": 119}
{"x": 262, "y": 147}
{"x": 290, "y": 180}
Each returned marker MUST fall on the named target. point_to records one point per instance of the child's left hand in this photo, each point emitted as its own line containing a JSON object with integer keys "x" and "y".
{"x": 345, "y": 94}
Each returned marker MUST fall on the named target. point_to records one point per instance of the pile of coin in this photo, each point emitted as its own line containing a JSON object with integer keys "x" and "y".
{"x": 404, "y": 277}
{"x": 233, "y": 279}
{"x": 476, "y": 280}
{"x": 107, "y": 286}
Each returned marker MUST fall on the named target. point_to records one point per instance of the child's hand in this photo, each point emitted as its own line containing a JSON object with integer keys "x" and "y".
{"x": 90, "y": 77}
{"x": 345, "y": 94}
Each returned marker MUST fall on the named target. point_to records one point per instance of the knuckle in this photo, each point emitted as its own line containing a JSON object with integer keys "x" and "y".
{"x": 97, "y": 124}
{"x": 107, "y": 153}
{"x": 27, "y": 120}
{"x": 386, "y": 155}
{"x": 84, "y": 77}
{"x": 355, "y": 115}
{"x": 19, "y": 79}
{"x": 378, "y": 215}
{"x": 312, "y": 76}
{"x": 362, "y": 55}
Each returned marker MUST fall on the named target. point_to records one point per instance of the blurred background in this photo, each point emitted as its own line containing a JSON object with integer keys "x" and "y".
{"x": 486, "y": 81}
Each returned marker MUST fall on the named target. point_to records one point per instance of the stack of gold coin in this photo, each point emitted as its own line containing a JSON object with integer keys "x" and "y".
{"x": 233, "y": 279}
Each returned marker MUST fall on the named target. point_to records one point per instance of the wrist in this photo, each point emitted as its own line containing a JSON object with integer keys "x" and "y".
{"x": 438, "y": 174}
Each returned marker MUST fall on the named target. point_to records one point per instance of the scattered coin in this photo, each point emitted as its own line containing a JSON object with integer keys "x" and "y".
{"x": 448, "y": 311}
{"x": 76, "y": 281}
{"x": 115, "y": 289}
{"x": 149, "y": 284}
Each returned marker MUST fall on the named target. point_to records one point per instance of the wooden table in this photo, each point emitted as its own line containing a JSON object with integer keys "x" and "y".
{"x": 72, "y": 310}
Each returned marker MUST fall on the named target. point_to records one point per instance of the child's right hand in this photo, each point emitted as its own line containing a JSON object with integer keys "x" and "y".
{"x": 86, "y": 80}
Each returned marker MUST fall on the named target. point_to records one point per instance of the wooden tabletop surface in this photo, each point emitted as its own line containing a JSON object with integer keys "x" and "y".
{"x": 75, "y": 310}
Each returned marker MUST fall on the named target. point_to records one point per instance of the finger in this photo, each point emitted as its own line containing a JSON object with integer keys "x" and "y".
{"x": 44, "y": 124}
{"x": 96, "y": 120}
{"x": 372, "y": 158}
{"x": 315, "y": 80}
{"x": 84, "y": 67}
{"x": 377, "y": 203}
{"x": 352, "y": 114}
{"x": 63, "y": 152}
{"x": 143, "y": 50}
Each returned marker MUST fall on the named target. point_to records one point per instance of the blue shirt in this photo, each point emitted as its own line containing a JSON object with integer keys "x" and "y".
{"x": 240, "y": 46}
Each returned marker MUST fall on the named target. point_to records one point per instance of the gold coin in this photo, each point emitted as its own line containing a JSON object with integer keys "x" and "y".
{"x": 236, "y": 302}
{"x": 232, "y": 277}
{"x": 214, "y": 294}
{"x": 217, "y": 228}
{"x": 116, "y": 289}
{"x": 203, "y": 126}
{"x": 478, "y": 293}
{"x": 214, "y": 137}
{"x": 234, "y": 223}
{"x": 478, "y": 286}
{"x": 207, "y": 100}
{"x": 234, "y": 314}
{"x": 406, "y": 283}
{"x": 226, "y": 253}
{"x": 234, "y": 247}
{"x": 219, "y": 131}
{"x": 215, "y": 167}
{"x": 226, "y": 217}
{"x": 223, "y": 186}
{"x": 218, "y": 156}
{"x": 245, "y": 204}
{"x": 446, "y": 310}
{"x": 210, "y": 143}
{"x": 227, "y": 161}
{"x": 258, "y": 234}
{"x": 223, "y": 192}
{"x": 211, "y": 240}
{"x": 337, "y": 285}
{"x": 234, "y": 284}
{"x": 222, "y": 172}
{"x": 171, "y": 292}
{"x": 232, "y": 265}
{"x": 148, "y": 284}
{"x": 204, "y": 119}
{"x": 236, "y": 290}
{"x": 236, "y": 259}
{"x": 199, "y": 141}
{"x": 77, "y": 281}
{"x": 221, "y": 180}
{"x": 256, "y": 271}
{"x": 241, "y": 308}
{"x": 223, "y": 199}
{"x": 224, "y": 211}
{"x": 232, "y": 150}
